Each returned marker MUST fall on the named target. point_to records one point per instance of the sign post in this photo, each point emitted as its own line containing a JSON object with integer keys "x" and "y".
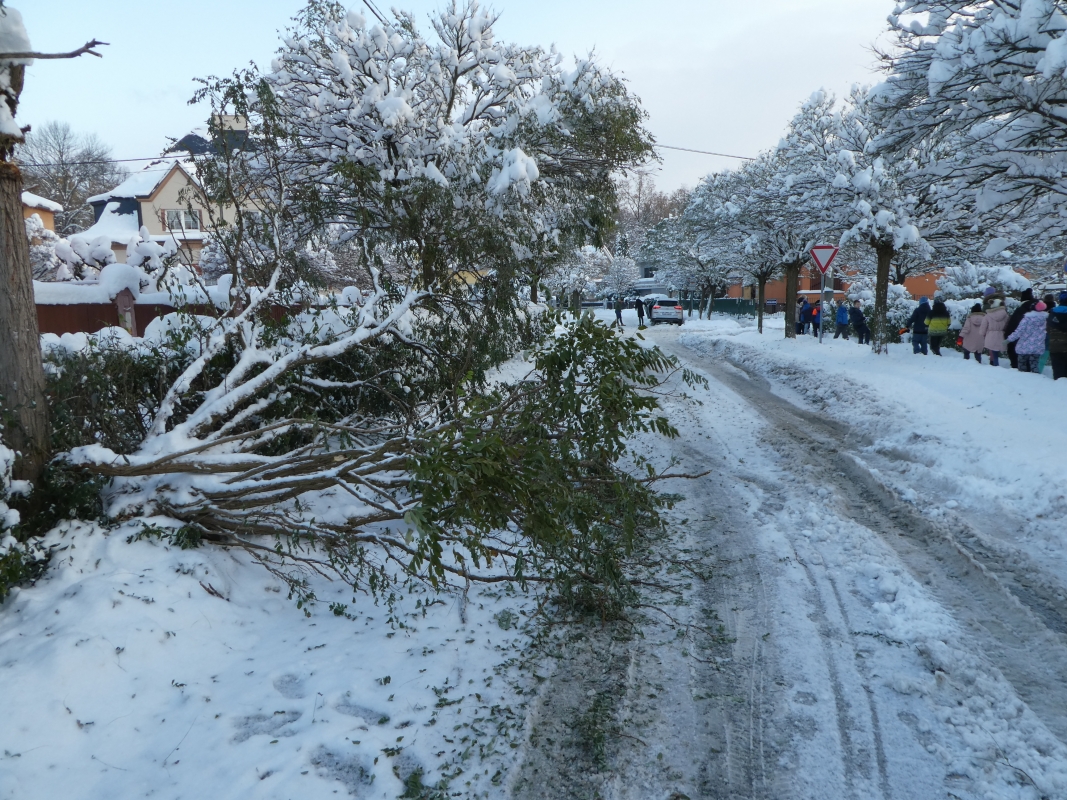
{"x": 823, "y": 255}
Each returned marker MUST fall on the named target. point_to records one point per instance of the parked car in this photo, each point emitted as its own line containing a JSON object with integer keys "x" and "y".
{"x": 665, "y": 310}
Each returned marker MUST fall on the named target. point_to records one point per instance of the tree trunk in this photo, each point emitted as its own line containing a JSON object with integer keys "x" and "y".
{"x": 880, "y": 329}
{"x": 576, "y": 303}
{"x": 533, "y": 290}
{"x": 22, "y": 385}
{"x": 761, "y": 285}
{"x": 792, "y": 284}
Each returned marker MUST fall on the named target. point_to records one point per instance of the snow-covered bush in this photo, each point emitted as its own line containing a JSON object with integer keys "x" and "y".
{"x": 43, "y": 259}
{"x": 84, "y": 258}
{"x": 19, "y": 561}
{"x": 971, "y": 280}
{"x": 900, "y": 304}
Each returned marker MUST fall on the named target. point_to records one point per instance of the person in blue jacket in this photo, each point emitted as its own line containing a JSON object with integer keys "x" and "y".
{"x": 841, "y": 318}
{"x": 859, "y": 323}
{"x": 805, "y": 316}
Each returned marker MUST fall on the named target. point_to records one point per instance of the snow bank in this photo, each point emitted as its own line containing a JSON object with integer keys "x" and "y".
{"x": 189, "y": 673}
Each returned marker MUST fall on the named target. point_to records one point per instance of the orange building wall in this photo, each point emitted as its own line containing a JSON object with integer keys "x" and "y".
{"x": 47, "y": 217}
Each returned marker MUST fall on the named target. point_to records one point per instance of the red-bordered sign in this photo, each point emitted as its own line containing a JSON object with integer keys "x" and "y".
{"x": 824, "y": 255}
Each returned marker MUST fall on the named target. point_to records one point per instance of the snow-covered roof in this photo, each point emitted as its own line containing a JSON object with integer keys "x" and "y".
{"x": 35, "y": 201}
{"x": 118, "y": 227}
{"x": 145, "y": 182}
{"x": 121, "y": 228}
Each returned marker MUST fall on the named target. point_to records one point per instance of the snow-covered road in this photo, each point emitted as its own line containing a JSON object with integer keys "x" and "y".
{"x": 873, "y": 649}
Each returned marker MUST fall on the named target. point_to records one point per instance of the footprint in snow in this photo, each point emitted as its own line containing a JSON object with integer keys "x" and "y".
{"x": 291, "y": 687}
{"x": 271, "y": 725}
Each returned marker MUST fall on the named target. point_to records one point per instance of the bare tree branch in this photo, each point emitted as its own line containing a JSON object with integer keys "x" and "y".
{"x": 85, "y": 48}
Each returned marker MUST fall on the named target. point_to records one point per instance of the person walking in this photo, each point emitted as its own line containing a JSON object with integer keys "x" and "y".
{"x": 972, "y": 336}
{"x": 805, "y": 316}
{"x": 816, "y": 319}
{"x": 859, "y": 323}
{"x": 992, "y": 329}
{"x": 841, "y": 320}
{"x": 1057, "y": 337}
{"x": 640, "y": 307}
{"x": 917, "y": 326}
{"x": 798, "y": 311}
{"x": 1029, "y": 338}
{"x": 618, "y": 311}
{"x": 1025, "y": 308}
{"x": 937, "y": 323}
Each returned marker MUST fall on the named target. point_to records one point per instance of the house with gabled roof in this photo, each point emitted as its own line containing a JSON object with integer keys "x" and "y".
{"x": 44, "y": 208}
{"x": 164, "y": 198}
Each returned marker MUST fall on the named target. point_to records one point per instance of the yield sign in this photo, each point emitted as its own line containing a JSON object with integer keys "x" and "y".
{"x": 824, "y": 255}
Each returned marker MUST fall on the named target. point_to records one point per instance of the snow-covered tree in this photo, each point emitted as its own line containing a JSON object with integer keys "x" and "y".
{"x": 850, "y": 190}
{"x": 684, "y": 261}
{"x": 618, "y": 279}
{"x": 986, "y": 82}
{"x": 641, "y": 207}
{"x": 726, "y": 211}
{"x": 369, "y": 433}
{"x": 577, "y": 274}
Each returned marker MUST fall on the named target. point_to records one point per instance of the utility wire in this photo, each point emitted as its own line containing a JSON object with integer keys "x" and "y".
{"x": 101, "y": 161}
{"x": 160, "y": 158}
{"x": 374, "y": 11}
{"x": 704, "y": 152}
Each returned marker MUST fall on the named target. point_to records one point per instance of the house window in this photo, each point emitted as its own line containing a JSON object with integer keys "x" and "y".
{"x": 181, "y": 220}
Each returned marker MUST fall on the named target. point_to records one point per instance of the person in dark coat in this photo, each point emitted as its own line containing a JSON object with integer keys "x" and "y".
{"x": 805, "y": 316}
{"x": 1057, "y": 337}
{"x": 1013, "y": 322}
{"x": 618, "y": 311}
{"x": 917, "y": 326}
{"x": 640, "y": 307}
{"x": 816, "y": 313}
{"x": 841, "y": 318}
{"x": 859, "y": 323}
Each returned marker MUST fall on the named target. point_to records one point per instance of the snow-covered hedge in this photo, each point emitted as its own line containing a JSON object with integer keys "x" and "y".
{"x": 19, "y": 561}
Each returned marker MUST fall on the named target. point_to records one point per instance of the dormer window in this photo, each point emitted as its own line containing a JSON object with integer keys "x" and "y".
{"x": 181, "y": 219}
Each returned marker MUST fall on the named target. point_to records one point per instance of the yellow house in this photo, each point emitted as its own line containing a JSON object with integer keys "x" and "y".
{"x": 45, "y": 209}
{"x": 164, "y": 198}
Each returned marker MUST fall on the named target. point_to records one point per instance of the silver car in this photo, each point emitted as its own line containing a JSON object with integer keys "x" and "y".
{"x": 665, "y": 310}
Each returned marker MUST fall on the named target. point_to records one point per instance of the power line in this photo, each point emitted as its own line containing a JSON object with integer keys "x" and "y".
{"x": 375, "y": 11}
{"x": 160, "y": 158}
{"x": 99, "y": 161}
{"x": 705, "y": 152}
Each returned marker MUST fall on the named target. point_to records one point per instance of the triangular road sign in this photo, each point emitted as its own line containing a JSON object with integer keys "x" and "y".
{"x": 823, "y": 255}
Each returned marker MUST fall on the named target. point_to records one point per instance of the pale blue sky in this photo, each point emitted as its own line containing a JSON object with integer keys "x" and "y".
{"x": 713, "y": 75}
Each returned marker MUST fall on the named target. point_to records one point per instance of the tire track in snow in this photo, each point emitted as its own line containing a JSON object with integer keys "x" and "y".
{"x": 1020, "y": 640}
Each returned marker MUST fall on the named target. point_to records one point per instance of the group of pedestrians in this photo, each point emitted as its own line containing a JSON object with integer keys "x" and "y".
{"x": 1032, "y": 335}
{"x": 808, "y": 319}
